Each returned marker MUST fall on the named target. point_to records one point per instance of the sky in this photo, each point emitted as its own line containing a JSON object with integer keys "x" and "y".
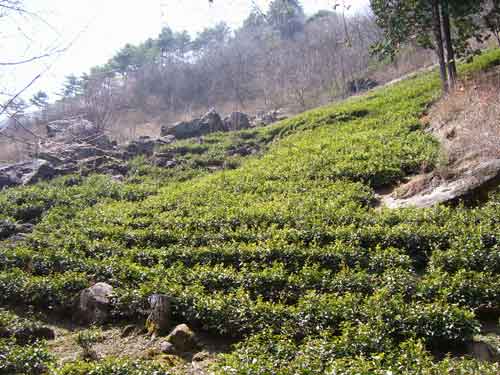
{"x": 94, "y": 30}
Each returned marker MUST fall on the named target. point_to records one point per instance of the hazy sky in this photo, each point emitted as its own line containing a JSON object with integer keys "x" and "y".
{"x": 96, "y": 29}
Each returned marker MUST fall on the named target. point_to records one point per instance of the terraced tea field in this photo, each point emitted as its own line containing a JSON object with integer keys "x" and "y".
{"x": 283, "y": 251}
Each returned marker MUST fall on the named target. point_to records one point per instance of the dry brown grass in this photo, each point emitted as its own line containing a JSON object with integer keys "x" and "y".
{"x": 16, "y": 143}
{"x": 407, "y": 62}
{"x": 136, "y": 345}
{"x": 467, "y": 124}
{"x": 467, "y": 121}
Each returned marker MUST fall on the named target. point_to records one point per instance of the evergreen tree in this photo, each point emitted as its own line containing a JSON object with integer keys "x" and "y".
{"x": 40, "y": 100}
{"x": 286, "y": 16}
{"x": 72, "y": 87}
{"x": 443, "y": 25}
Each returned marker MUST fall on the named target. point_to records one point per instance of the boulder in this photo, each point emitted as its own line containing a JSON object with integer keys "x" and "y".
{"x": 167, "y": 347}
{"x": 94, "y": 303}
{"x": 182, "y": 129}
{"x": 164, "y": 160}
{"x": 359, "y": 85}
{"x": 141, "y": 146}
{"x": 243, "y": 150}
{"x": 209, "y": 123}
{"x": 56, "y": 128}
{"x": 39, "y": 170}
{"x": 72, "y": 129}
{"x": 103, "y": 164}
{"x": 24, "y": 173}
{"x": 267, "y": 118}
{"x": 236, "y": 121}
{"x": 183, "y": 338}
{"x": 7, "y": 229}
{"x": 201, "y": 356}
{"x": 82, "y": 129}
{"x": 146, "y": 145}
{"x": 166, "y": 140}
{"x": 24, "y": 228}
{"x": 212, "y": 122}
{"x": 485, "y": 347}
{"x": 59, "y": 153}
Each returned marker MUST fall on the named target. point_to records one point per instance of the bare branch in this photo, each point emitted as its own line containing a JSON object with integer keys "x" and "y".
{"x": 31, "y": 59}
{"x": 6, "y": 106}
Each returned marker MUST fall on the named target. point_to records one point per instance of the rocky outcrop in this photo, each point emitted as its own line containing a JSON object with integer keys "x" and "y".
{"x": 236, "y": 121}
{"x": 470, "y": 184}
{"x": 211, "y": 122}
{"x": 72, "y": 130}
{"x": 359, "y": 85}
{"x": 94, "y": 303}
{"x": 14, "y": 232}
{"x": 24, "y": 173}
{"x": 76, "y": 145}
{"x": 7, "y": 229}
{"x": 145, "y": 145}
{"x": 267, "y": 118}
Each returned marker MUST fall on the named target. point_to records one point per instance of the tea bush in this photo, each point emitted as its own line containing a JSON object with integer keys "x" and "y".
{"x": 273, "y": 237}
{"x": 23, "y": 360}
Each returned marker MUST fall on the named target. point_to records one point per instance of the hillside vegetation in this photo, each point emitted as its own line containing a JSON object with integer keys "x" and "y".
{"x": 284, "y": 251}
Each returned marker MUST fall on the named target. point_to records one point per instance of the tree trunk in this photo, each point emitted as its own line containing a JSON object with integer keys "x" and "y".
{"x": 497, "y": 36}
{"x": 158, "y": 321}
{"x": 450, "y": 53}
{"x": 438, "y": 36}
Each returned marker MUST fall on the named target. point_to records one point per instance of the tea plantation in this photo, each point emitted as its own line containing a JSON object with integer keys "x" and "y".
{"x": 283, "y": 250}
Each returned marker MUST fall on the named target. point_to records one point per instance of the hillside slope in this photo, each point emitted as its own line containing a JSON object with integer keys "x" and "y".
{"x": 282, "y": 251}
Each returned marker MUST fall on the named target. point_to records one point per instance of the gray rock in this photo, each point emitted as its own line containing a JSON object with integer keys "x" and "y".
{"x": 268, "y": 118}
{"x": 7, "y": 229}
{"x": 201, "y": 356}
{"x": 183, "y": 129}
{"x": 212, "y": 122}
{"x": 24, "y": 173}
{"x": 6, "y": 181}
{"x": 359, "y": 85}
{"x": 103, "y": 164}
{"x": 243, "y": 150}
{"x": 118, "y": 178}
{"x": 72, "y": 129}
{"x": 41, "y": 170}
{"x": 24, "y": 228}
{"x": 141, "y": 146}
{"x": 475, "y": 181}
{"x": 146, "y": 145}
{"x": 236, "y": 121}
{"x": 166, "y": 140}
{"x": 56, "y": 128}
{"x": 209, "y": 123}
{"x": 164, "y": 160}
{"x": 183, "y": 338}
{"x": 485, "y": 348}
{"x": 167, "y": 347}
{"x": 94, "y": 303}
